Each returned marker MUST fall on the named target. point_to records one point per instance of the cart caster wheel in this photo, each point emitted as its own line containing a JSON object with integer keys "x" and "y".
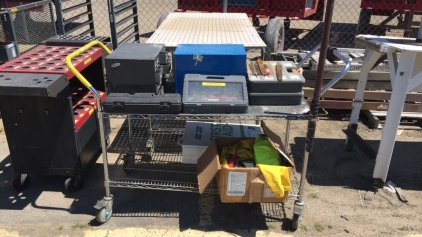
{"x": 103, "y": 215}
{"x": 20, "y": 185}
{"x": 295, "y": 221}
{"x": 70, "y": 186}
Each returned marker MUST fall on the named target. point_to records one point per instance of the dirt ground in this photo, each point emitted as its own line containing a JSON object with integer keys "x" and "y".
{"x": 337, "y": 182}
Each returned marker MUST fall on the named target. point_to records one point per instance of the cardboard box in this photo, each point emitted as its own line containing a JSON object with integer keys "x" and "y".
{"x": 198, "y": 135}
{"x": 236, "y": 185}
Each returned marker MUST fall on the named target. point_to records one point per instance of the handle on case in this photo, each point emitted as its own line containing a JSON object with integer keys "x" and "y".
{"x": 216, "y": 77}
{"x": 78, "y": 75}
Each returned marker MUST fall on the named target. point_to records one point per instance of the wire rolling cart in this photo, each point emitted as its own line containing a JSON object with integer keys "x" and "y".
{"x": 152, "y": 157}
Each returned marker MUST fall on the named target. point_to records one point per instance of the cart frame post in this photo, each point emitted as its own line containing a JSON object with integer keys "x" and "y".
{"x": 105, "y": 206}
{"x": 313, "y": 115}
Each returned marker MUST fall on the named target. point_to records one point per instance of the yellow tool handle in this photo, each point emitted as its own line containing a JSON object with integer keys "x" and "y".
{"x": 77, "y": 53}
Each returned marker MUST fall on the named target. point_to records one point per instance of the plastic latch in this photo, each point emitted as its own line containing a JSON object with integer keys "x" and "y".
{"x": 118, "y": 105}
{"x": 165, "y": 106}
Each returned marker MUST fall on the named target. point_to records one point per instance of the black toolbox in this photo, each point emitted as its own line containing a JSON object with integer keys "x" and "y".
{"x": 143, "y": 103}
{"x": 45, "y": 133}
{"x": 290, "y": 82}
{"x": 135, "y": 68}
{"x": 214, "y": 94}
{"x": 275, "y": 98}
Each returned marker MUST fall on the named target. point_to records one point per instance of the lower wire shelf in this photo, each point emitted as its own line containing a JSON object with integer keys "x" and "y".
{"x": 156, "y": 163}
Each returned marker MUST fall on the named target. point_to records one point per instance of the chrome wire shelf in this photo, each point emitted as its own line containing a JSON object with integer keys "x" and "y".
{"x": 254, "y": 113}
{"x": 156, "y": 164}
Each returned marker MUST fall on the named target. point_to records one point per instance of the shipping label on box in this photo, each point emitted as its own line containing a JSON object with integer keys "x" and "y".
{"x": 268, "y": 193}
{"x": 236, "y": 185}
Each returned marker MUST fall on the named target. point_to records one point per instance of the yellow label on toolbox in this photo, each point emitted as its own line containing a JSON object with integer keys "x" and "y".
{"x": 87, "y": 61}
{"x": 13, "y": 9}
{"x": 91, "y": 111}
{"x": 213, "y": 84}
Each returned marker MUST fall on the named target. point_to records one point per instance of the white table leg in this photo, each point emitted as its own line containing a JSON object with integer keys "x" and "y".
{"x": 371, "y": 58}
{"x": 398, "y": 96}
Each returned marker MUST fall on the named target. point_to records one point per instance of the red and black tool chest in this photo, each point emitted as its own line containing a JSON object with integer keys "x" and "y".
{"x": 49, "y": 117}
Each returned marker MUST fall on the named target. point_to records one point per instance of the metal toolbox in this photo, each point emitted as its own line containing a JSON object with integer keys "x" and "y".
{"x": 290, "y": 82}
{"x": 134, "y": 68}
{"x": 143, "y": 103}
{"x": 275, "y": 98}
{"x": 208, "y": 59}
{"x": 214, "y": 94}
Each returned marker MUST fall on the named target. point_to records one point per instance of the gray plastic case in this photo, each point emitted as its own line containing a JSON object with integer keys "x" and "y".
{"x": 291, "y": 81}
{"x": 214, "y": 94}
{"x": 275, "y": 98}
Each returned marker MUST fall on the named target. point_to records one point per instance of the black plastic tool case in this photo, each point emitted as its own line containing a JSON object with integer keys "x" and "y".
{"x": 291, "y": 81}
{"x": 143, "y": 103}
{"x": 275, "y": 98}
{"x": 135, "y": 68}
{"x": 214, "y": 94}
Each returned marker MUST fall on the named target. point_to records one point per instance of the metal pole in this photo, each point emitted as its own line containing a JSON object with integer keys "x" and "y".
{"x": 287, "y": 138}
{"x": 313, "y": 116}
{"x": 308, "y": 55}
{"x": 112, "y": 24}
{"x": 50, "y": 5}
{"x": 12, "y": 32}
{"x": 59, "y": 14}
{"x": 419, "y": 38}
{"x": 341, "y": 74}
{"x": 225, "y": 2}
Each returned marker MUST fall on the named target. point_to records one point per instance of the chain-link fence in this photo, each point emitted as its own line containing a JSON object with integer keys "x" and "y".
{"x": 5, "y": 36}
{"x": 303, "y": 20}
{"x": 301, "y": 28}
{"x": 32, "y": 23}
{"x": 74, "y": 17}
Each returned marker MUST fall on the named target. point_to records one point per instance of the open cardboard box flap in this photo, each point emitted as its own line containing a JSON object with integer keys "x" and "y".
{"x": 208, "y": 163}
{"x": 207, "y": 166}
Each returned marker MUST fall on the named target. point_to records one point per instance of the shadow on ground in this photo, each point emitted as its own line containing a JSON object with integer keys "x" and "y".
{"x": 331, "y": 165}
{"x": 193, "y": 211}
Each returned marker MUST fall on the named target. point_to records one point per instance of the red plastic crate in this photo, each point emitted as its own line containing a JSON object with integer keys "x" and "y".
{"x": 51, "y": 60}
{"x": 81, "y": 113}
{"x": 89, "y": 99}
{"x": 78, "y": 94}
